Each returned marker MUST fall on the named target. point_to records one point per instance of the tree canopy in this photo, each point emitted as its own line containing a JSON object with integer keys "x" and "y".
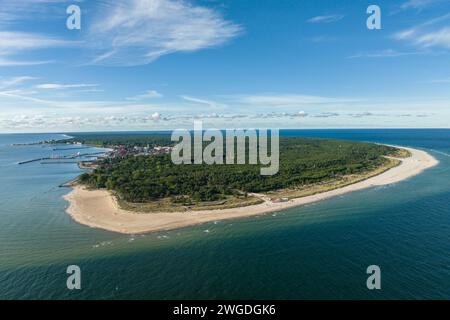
{"x": 303, "y": 161}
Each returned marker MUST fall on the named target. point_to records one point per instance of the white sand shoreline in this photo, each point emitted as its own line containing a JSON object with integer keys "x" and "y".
{"x": 99, "y": 209}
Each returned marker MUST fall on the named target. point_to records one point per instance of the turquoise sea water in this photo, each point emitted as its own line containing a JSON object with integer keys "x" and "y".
{"x": 316, "y": 251}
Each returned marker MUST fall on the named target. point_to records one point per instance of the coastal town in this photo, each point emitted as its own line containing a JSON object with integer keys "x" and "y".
{"x": 122, "y": 151}
{"x": 95, "y": 158}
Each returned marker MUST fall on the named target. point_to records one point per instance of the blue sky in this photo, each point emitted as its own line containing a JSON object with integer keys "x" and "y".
{"x": 160, "y": 64}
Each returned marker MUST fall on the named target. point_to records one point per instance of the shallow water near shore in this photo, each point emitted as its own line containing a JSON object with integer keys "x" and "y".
{"x": 320, "y": 250}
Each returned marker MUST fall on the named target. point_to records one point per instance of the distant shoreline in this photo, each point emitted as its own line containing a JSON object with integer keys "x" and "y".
{"x": 99, "y": 209}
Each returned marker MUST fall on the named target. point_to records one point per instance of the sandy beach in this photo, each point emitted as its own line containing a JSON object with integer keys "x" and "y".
{"x": 99, "y": 209}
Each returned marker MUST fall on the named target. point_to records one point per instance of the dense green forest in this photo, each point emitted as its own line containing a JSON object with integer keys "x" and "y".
{"x": 114, "y": 139}
{"x": 303, "y": 161}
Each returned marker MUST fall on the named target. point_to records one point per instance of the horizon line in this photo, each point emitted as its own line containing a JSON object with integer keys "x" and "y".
{"x": 280, "y": 129}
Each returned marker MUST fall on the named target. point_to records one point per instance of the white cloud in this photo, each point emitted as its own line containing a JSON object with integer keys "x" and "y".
{"x": 148, "y": 95}
{"x": 419, "y": 4}
{"x": 426, "y": 39}
{"x": 388, "y": 53}
{"x": 326, "y": 19}
{"x": 326, "y": 115}
{"x": 430, "y": 34}
{"x": 12, "y": 43}
{"x": 15, "y": 41}
{"x": 13, "y": 10}
{"x": 209, "y": 103}
{"x": 21, "y": 95}
{"x": 156, "y": 116}
{"x": 289, "y": 100}
{"x": 58, "y": 86}
{"x": 134, "y": 32}
{"x": 440, "y": 38}
{"x": 5, "y": 62}
{"x": 6, "y": 83}
{"x": 405, "y": 34}
{"x": 125, "y": 121}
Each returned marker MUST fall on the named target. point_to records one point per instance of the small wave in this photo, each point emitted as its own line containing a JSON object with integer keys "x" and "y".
{"x": 385, "y": 186}
{"x": 440, "y": 152}
{"x": 102, "y": 244}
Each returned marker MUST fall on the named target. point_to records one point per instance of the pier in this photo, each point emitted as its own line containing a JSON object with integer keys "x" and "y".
{"x": 58, "y": 162}
{"x": 73, "y": 156}
{"x": 64, "y": 149}
{"x": 33, "y": 160}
